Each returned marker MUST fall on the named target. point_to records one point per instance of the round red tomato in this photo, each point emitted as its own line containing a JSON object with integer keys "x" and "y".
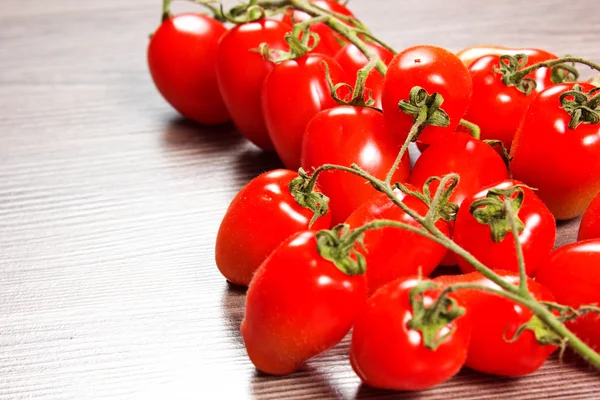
{"x": 470, "y": 54}
{"x": 437, "y": 71}
{"x": 352, "y": 59}
{"x": 261, "y": 216}
{"x": 387, "y": 353}
{"x": 562, "y": 163}
{"x": 182, "y": 62}
{"x": 537, "y": 237}
{"x": 497, "y": 318}
{"x": 572, "y": 274}
{"x": 294, "y": 92}
{"x": 241, "y": 73}
{"x": 499, "y": 109}
{"x": 343, "y": 136}
{"x": 590, "y": 223}
{"x": 298, "y": 305}
{"x": 392, "y": 253}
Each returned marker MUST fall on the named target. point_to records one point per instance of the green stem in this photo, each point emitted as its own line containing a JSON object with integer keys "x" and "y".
{"x": 358, "y": 94}
{"x": 551, "y": 63}
{"x": 414, "y": 130}
{"x": 474, "y": 128}
{"x": 166, "y": 10}
{"x": 524, "y": 291}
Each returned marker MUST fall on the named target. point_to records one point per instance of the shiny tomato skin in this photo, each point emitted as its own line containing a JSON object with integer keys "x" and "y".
{"x": 345, "y": 135}
{"x": 261, "y": 216}
{"x": 298, "y": 305}
{"x": 537, "y": 238}
{"x": 241, "y": 87}
{"x": 385, "y": 353}
{"x": 562, "y": 164}
{"x": 434, "y": 69}
{"x": 352, "y": 59}
{"x": 572, "y": 273}
{"x": 499, "y": 109}
{"x": 182, "y": 62}
{"x": 472, "y": 54}
{"x": 293, "y": 93}
{"x": 392, "y": 253}
{"x": 496, "y": 318}
{"x": 590, "y": 222}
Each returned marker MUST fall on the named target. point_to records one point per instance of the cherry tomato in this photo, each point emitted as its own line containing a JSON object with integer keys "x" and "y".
{"x": 346, "y": 135}
{"x": 499, "y": 109}
{"x": 434, "y": 69}
{"x": 261, "y": 216}
{"x": 386, "y": 353}
{"x": 572, "y": 274}
{"x": 590, "y": 223}
{"x": 298, "y": 305}
{"x": 352, "y": 59}
{"x": 537, "y": 237}
{"x": 182, "y": 62}
{"x": 331, "y": 42}
{"x": 392, "y": 253}
{"x": 471, "y": 54}
{"x": 497, "y": 319}
{"x": 562, "y": 163}
{"x": 293, "y": 93}
{"x": 242, "y": 71}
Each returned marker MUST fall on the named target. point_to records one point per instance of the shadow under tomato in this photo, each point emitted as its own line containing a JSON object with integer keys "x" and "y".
{"x": 307, "y": 382}
{"x": 232, "y": 304}
{"x": 253, "y": 161}
{"x": 182, "y": 133}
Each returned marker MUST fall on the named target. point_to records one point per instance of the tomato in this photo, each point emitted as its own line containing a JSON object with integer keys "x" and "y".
{"x": 298, "y": 305}
{"x": 387, "y": 353}
{"x": 498, "y": 109}
{"x": 352, "y": 59}
{"x": 498, "y": 318}
{"x": 329, "y": 43}
{"x": 261, "y": 216}
{"x": 182, "y": 62}
{"x": 572, "y": 273}
{"x": 241, "y": 87}
{"x": 590, "y": 223}
{"x": 392, "y": 253}
{"x": 437, "y": 71}
{"x": 470, "y": 54}
{"x": 537, "y": 237}
{"x": 293, "y": 93}
{"x": 346, "y": 135}
{"x": 562, "y": 163}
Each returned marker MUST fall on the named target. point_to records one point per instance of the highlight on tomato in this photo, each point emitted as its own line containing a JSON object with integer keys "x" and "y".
{"x": 589, "y": 227}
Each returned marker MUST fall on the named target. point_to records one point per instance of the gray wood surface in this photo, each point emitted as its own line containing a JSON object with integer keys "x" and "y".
{"x": 109, "y": 206}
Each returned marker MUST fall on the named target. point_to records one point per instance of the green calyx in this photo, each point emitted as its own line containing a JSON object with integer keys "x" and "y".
{"x": 491, "y": 210}
{"x": 542, "y": 332}
{"x": 584, "y": 108}
{"x": 425, "y": 109}
{"x": 357, "y": 93}
{"x": 303, "y": 190}
{"x": 244, "y": 13}
{"x": 338, "y": 245}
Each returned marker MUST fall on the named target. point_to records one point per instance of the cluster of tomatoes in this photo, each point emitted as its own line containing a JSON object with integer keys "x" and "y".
{"x": 308, "y": 285}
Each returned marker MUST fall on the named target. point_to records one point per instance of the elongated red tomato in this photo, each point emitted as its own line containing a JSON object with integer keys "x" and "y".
{"x": 562, "y": 163}
{"x": 536, "y": 238}
{"x": 294, "y": 92}
{"x": 182, "y": 62}
{"x": 392, "y": 253}
{"x": 590, "y": 223}
{"x": 241, "y": 72}
{"x": 387, "y": 353}
{"x": 437, "y": 71}
{"x": 572, "y": 273}
{"x": 298, "y": 305}
{"x": 346, "y": 135}
{"x": 497, "y": 318}
{"x": 261, "y": 216}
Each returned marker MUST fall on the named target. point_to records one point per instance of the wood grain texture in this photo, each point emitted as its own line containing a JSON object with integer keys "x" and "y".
{"x": 109, "y": 206}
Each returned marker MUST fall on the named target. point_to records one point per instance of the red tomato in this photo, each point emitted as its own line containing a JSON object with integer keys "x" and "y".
{"x": 330, "y": 40}
{"x": 470, "y": 54}
{"x": 182, "y": 62}
{"x": 346, "y": 135}
{"x": 386, "y": 353}
{"x": 572, "y": 274}
{"x": 293, "y": 93}
{"x": 537, "y": 237}
{"x": 298, "y": 305}
{"x": 241, "y": 73}
{"x": 498, "y": 318}
{"x": 434, "y": 69}
{"x": 392, "y": 253}
{"x": 261, "y": 216}
{"x": 562, "y": 163}
{"x": 499, "y": 109}
{"x": 352, "y": 59}
{"x": 590, "y": 223}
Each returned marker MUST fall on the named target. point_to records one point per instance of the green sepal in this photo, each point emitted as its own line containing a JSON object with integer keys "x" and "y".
{"x": 491, "y": 211}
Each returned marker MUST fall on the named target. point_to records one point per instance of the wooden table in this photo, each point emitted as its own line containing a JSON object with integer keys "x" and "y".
{"x": 109, "y": 206}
